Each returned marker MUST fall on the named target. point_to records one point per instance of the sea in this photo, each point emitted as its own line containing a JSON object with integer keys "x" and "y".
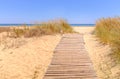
{"x": 83, "y": 25}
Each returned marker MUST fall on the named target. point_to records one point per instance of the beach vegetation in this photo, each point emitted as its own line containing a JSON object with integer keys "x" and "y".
{"x": 45, "y": 28}
{"x": 108, "y": 31}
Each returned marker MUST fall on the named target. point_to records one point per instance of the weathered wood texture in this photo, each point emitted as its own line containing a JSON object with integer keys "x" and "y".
{"x": 70, "y": 60}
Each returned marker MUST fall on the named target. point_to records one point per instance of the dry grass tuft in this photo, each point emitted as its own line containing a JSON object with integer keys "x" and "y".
{"x": 108, "y": 30}
{"x": 45, "y": 28}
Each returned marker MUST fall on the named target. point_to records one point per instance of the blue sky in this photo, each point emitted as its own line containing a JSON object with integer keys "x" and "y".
{"x": 74, "y": 11}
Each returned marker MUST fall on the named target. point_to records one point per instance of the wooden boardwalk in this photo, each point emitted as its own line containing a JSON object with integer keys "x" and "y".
{"x": 70, "y": 60}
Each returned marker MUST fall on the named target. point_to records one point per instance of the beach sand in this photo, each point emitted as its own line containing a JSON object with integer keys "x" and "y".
{"x": 28, "y": 60}
{"x": 104, "y": 65}
{"x": 84, "y": 29}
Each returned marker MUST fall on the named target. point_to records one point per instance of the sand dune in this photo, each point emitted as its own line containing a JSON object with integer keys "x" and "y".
{"x": 28, "y": 58}
{"x": 28, "y": 61}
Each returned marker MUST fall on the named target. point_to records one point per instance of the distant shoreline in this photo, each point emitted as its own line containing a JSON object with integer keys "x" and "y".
{"x": 74, "y": 25}
{"x": 79, "y": 25}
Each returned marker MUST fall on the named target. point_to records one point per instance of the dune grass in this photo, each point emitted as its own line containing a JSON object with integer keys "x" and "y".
{"x": 108, "y": 30}
{"x": 46, "y": 28}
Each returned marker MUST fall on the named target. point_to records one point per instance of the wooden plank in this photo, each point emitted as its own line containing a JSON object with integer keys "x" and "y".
{"x": 68, "y": 77}
{"x": 81, "y": 64}
{"x": 73, "y": 62}
{"x": 71, "y": 68}
{"x": 73, "y": 50}
{"x": 70, "y": 60}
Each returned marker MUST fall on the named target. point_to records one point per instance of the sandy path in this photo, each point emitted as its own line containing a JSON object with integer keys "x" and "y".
{"x": 28, "y": 61}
